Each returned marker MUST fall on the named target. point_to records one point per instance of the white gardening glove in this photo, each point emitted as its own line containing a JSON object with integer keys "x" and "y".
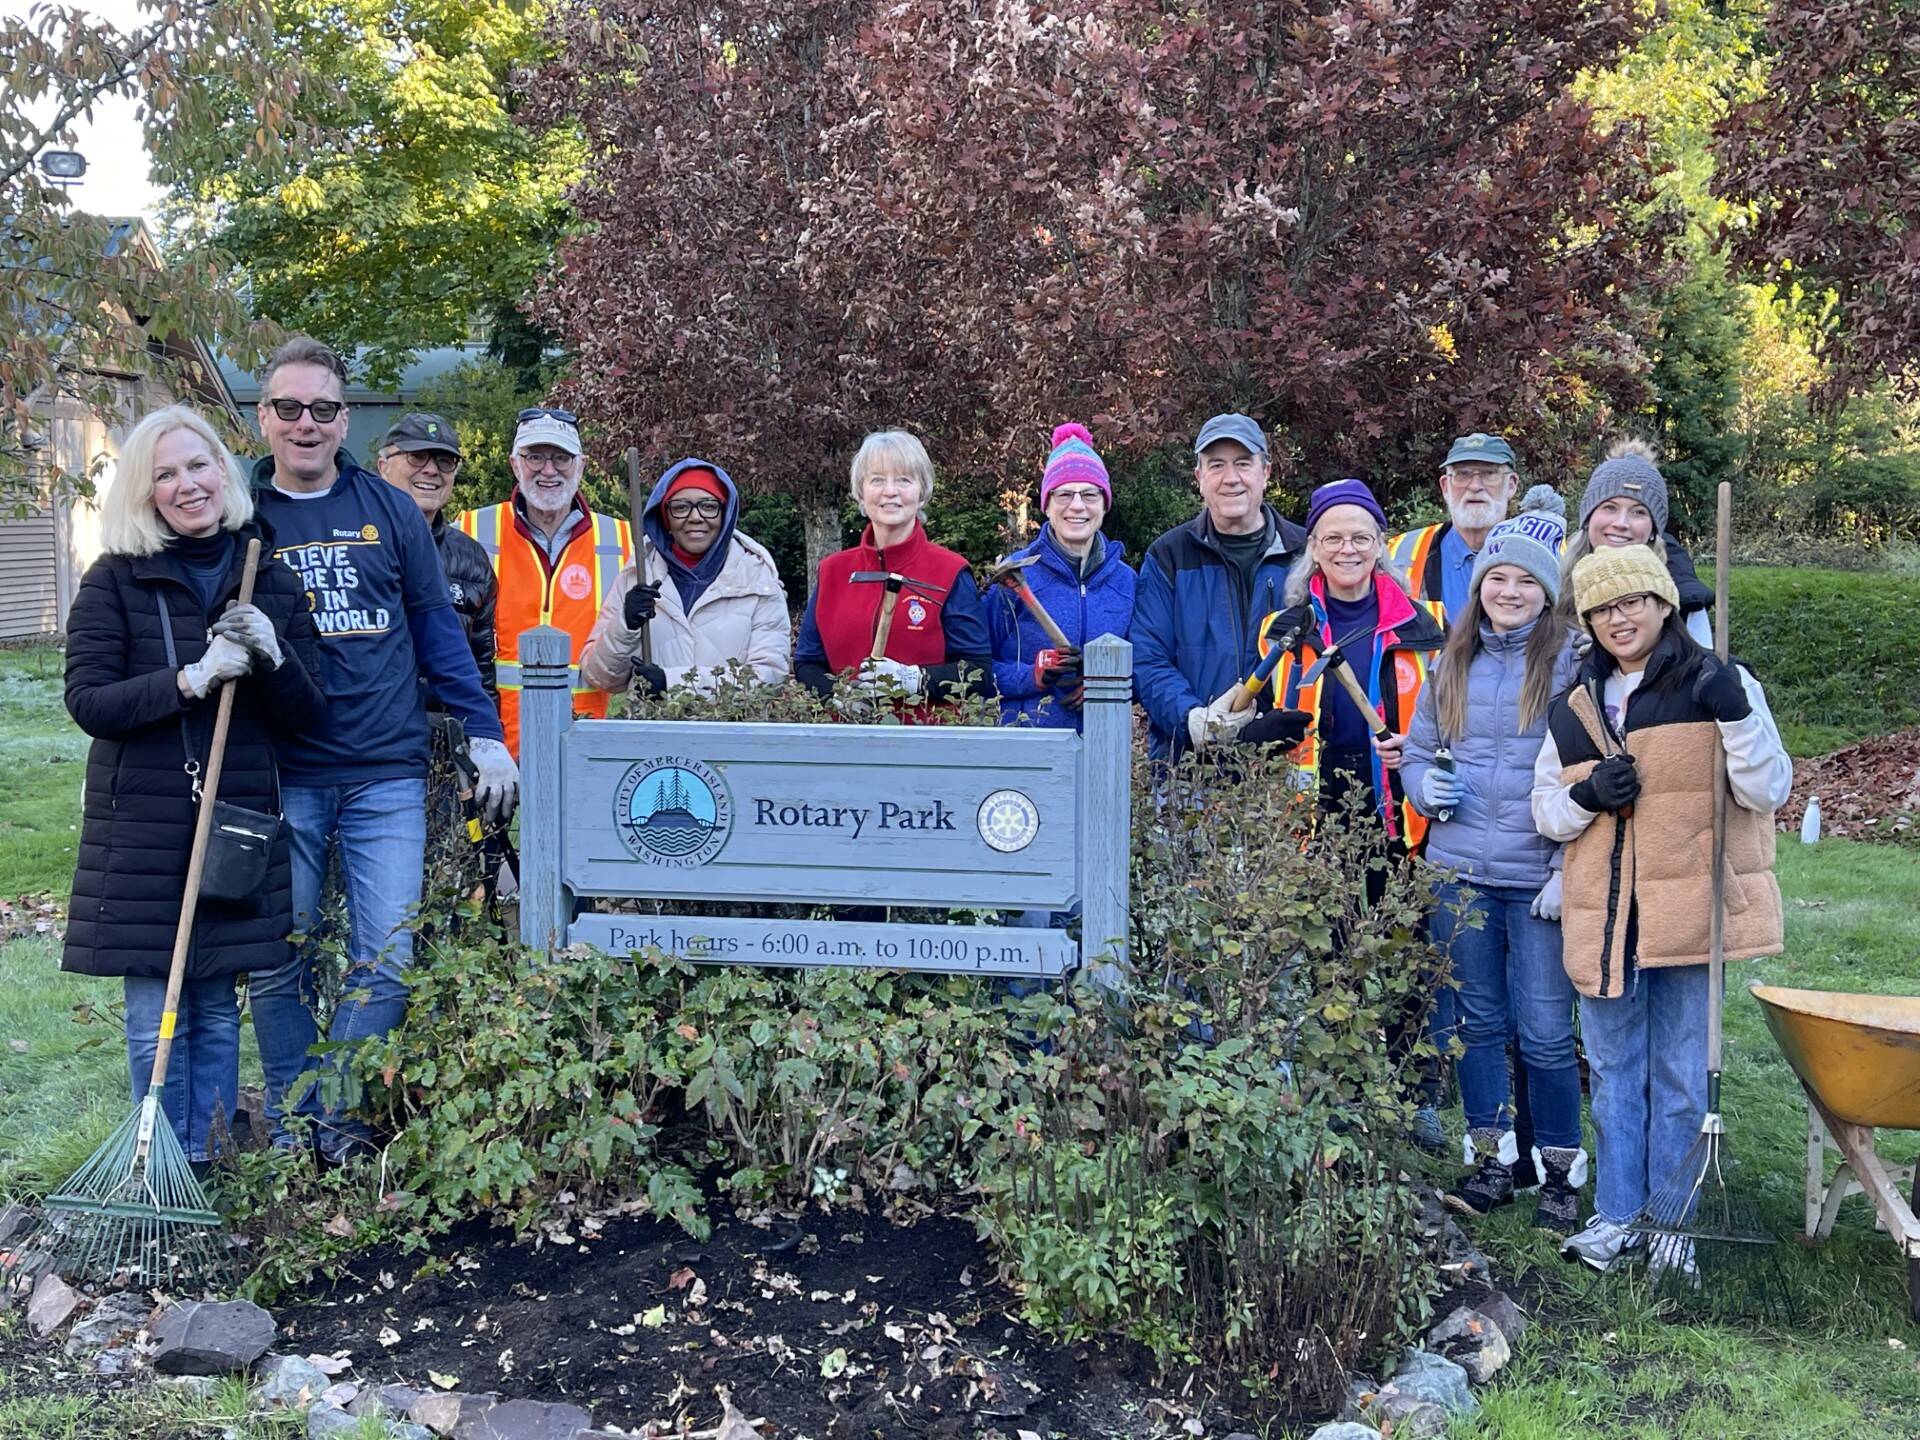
{"x": 498, "y": 788}
{"x": 1440, "y": 790}
{"x": 249, "y": 625}
{"x": 225, "y": 660}
{"x": 1218, "y": 723}
{"x": 1546, "y": 905}
{"x": 905, "y": 678}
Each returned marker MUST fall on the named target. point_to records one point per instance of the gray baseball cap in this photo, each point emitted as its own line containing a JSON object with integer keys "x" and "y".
{"x": 1232, "y": 426}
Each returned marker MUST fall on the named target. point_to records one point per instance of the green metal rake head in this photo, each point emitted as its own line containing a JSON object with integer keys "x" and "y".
{"x": 133, "y": 1214}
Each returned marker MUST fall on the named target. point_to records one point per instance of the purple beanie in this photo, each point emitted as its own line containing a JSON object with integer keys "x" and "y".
{"x": 1073, "y": 461}
{"x": 1344, "y": 492}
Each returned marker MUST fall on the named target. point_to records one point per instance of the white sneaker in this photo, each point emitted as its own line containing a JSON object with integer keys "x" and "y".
{"x": 1672, "y": 1259}
{"x": 1600, "y": 1244}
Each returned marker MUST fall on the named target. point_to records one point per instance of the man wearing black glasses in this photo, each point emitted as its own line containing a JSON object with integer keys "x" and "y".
{"x": 358, "y": 783}
{"x": 711, "y": 599}
{"x": 554, "y": 558}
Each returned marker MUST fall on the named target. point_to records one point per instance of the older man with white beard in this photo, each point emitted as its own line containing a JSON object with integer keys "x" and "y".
{"x": 1477, "y": 482}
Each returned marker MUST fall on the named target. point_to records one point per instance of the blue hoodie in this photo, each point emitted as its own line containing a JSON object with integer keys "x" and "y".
{"x": 1086, "y": 608}
{"x": 691, "y": 580}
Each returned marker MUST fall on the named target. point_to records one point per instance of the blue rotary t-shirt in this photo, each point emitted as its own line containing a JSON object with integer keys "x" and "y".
{"x": 367, "y": 558}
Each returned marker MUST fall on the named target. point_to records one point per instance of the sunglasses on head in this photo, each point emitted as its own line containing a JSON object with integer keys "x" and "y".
{"x": 549, "y": 412}
{"x": 324, "y": 411}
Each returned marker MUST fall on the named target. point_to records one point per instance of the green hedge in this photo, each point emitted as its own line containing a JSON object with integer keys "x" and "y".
{"x": 1837, "y": 650}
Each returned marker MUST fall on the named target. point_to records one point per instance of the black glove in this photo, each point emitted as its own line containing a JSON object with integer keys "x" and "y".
{"x": 1285, "y": 728}
{"x": 1612, "y": 786}
{"x": 1063, "y": 667}
{"x": 1718, "y": 687}
{"x": 642, "y": 602}
{"x": 650, "y": 678}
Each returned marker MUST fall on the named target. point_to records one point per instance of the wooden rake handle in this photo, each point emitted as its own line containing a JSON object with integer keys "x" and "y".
{"x": 197, "y": 858}
{"x": 1717, "y": 932}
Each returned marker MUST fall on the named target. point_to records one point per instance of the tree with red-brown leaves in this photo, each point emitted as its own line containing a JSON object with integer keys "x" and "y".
{"x": 1826, "y": 164}
{"x": 1371, "y": 225}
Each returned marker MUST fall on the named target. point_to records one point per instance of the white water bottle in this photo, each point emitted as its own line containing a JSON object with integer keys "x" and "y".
{"x": 1810, "y": 822}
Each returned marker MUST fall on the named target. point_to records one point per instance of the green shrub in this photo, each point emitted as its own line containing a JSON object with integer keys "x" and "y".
{"x": 1215, "y": 1170}
{"x": 1834, "y": 649}
{"x": 514, "y": 1079}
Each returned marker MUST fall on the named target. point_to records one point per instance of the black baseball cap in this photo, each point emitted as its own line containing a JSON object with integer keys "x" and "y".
{"x": 421, "y": 431}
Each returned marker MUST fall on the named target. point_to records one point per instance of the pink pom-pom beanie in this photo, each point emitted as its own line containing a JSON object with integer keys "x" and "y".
{"x": 1073, "y": 461}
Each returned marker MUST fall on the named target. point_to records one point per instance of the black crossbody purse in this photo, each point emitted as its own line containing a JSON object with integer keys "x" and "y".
{"x": 240, "y": 842}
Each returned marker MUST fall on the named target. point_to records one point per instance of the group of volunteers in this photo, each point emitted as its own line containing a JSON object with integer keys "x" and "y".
{"x": 1540, "y": 720}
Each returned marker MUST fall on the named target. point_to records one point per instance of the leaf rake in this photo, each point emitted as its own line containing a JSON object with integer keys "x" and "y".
{"x": 135, "y": 1213}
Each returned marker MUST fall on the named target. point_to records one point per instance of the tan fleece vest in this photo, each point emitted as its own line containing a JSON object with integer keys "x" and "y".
{"x": 1665, "y": 862}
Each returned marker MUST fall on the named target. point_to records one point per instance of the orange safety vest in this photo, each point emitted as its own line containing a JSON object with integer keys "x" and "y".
{"x": 1408, "y": 643}
{"x": 1408, "y": 554}
{"x": 567, "y": 594}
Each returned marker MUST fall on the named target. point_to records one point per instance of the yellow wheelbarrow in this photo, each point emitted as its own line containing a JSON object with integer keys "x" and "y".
{"x": 1858, "y": 1057}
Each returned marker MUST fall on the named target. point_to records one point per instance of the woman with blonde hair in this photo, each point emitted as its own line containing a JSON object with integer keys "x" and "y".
{"x": 937, "y": 643}
{"x": 152, "y": 636}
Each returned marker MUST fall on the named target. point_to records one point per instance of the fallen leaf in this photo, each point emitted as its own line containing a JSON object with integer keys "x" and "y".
{"x": 389, "y": 1336}
{"x": 654, "y": 1318}
{"x": 833, "y": 1364}
{"x": 339, "y": 1227}
{"x": 680, "y": 1278}
{"x": 331, "y": 1365}
{"x": 897, "y": 1334}
{"x": 445, "y": 1382}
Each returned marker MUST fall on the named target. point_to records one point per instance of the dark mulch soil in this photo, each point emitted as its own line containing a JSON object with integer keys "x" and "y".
{"x": 845, "y": 1325}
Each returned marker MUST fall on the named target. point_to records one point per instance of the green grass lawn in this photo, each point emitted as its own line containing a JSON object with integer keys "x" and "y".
{"x": 1850, "y": 1365}
{"x": 1599, "y": 1365}
{"x": 1834, "y": 648}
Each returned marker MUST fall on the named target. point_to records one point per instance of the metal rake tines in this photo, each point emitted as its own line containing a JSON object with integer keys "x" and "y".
{"x": 1707, "y": 1255}
{"x": 133, "y": 1216}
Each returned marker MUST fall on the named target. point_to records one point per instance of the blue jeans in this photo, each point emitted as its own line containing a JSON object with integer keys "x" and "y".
{"x": 1512, "y": 988}
{"x": 203, "y": 1070}
{"x": 381, "y": 830}
{"x": 1648, "y": 1051}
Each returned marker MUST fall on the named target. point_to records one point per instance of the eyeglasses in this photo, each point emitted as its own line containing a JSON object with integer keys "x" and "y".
{"x": 445, "y": 461}
{"x": 1089, "y": 496}
{"x": 1359, "y": 544}
{"x": 324, "y": 411}
{"x": 558, "y": 462}
{"x": 707, "y": 509}
{"x": 1627, "y": 607}
{"x": 549, "y": 412}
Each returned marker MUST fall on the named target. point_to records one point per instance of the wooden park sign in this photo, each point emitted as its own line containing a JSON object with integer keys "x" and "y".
{"x": 945, "y": 817}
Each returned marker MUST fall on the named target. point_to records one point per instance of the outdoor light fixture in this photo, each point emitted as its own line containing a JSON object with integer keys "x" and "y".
{"x": 67, "y": 165}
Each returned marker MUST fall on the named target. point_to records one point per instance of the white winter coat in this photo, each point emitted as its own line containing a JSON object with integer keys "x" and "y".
{"x": 741, "y": 616}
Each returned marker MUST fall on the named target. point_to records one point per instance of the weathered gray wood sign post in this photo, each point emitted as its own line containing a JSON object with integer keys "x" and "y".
{"x": 937, "y": 816}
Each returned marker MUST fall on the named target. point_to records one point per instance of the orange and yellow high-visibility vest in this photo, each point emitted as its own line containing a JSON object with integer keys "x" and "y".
{"x": 566, "y": 593}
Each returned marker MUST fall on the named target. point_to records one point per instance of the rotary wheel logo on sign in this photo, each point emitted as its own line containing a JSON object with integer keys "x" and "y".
{"x": 672, "y": 811}
{"x": 1008, "y": 821}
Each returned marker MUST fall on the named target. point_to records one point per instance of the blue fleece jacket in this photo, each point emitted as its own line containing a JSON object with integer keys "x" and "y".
{"x": 692, "y": 580}
{"x": 1086, "y": 608}
{"x": 1195, "y": 626}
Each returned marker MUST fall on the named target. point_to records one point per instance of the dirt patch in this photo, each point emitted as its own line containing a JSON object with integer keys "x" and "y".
{"x": 1868, "y": 791}
{"x": 841, "y": 1325}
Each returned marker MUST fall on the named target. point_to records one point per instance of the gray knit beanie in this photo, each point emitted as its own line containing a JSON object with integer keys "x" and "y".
{"x": 1628, "y": 470}
{"x": 1531, "y": 540}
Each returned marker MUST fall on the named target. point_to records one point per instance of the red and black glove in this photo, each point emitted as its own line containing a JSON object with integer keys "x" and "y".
{"x": 1054, "y": 668}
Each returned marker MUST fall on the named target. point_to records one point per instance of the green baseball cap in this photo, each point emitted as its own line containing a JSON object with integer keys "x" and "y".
{"x": 1486, "y": 449}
